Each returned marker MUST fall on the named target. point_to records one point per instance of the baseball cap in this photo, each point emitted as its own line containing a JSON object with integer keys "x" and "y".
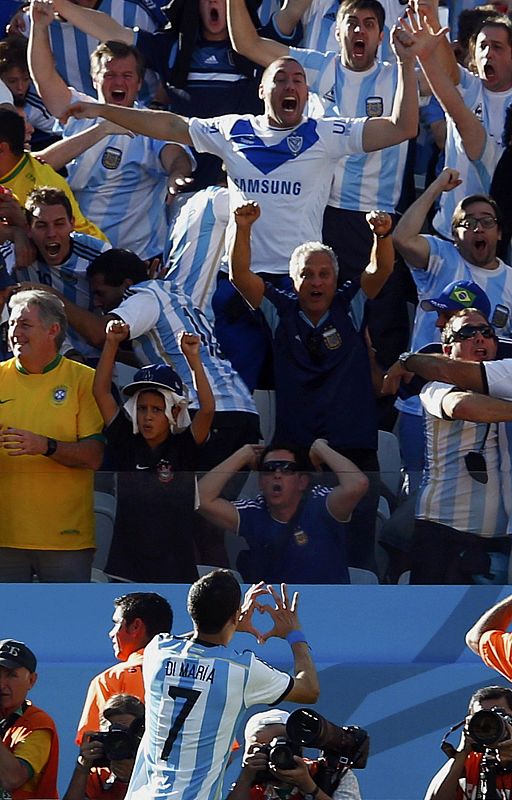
{"x": 276, "y": 716}
{"x": 16, "y": 654}
{"x": 154, "y": 376}
{"x": 457, "y": 296}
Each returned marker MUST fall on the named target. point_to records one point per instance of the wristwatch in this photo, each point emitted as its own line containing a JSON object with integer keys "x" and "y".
{"x": 51, "y": 446}
{"x": 313, "y": 794}
{"x": 402, "y": 358}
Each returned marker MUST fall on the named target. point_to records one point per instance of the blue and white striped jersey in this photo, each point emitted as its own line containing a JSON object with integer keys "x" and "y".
{"x": 195, "y": 695}
{"x": 446, "y": 265}
{"x": 68, "y": 278}
{"x": 366, "y": 180}
{"x": 490, "y": 108}
{"x": 196, "y": 244}
{"x": 37, "y": 113}
{"x": 448, "y": 494}
{"x": 267, "y": 9}
{"x": 288, "y": 172}
{"x": 156, "y": 315}
{"x": 121, "y": 185}
{"x": 72, "y": 48}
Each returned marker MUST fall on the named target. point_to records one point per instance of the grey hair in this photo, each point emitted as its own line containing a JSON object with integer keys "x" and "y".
{"x": 50, "y": 309}
{"x": 301, "y": 254}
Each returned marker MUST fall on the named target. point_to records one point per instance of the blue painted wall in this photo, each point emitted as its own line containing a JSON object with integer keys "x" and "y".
{"x": 391, "y": 659}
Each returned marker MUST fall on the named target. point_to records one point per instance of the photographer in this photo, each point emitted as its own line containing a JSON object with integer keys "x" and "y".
{"x": 98, "y": 775}
{"x": 259, "y": 778}
{"x": 460, "y": 777}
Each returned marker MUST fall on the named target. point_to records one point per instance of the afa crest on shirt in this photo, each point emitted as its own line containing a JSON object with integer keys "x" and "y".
{"x": 295, "y": 144}
{"x": 111, "y": 157}
{"x": 332, "y": 339}
{"x": 301, "y": 537}
{"x": 374, "y": 107}
{"x": 59, "y": 395}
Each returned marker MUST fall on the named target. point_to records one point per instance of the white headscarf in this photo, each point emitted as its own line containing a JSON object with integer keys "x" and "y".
{"x": 171, "y": 399}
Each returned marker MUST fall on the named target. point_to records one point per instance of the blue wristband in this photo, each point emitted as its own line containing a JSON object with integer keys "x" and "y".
{"x": 296, "y": 636}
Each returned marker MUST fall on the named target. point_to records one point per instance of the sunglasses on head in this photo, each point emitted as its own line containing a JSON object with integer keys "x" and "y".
{"x": 471, "y": 223}
{"x": 468, "y": 331}
{"x": 282, "y": 466}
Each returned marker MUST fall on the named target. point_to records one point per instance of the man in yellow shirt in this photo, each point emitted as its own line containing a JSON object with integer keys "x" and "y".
{"x": 50, "y": 443}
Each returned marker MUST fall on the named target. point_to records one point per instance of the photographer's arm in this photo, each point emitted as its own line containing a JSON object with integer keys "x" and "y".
{"x": 89, "y": 751}
{"x": 497, "y": 618}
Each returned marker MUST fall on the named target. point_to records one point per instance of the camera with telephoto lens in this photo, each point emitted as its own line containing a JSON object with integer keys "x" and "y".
{"x": 118, "y": 742}
{"x": 281, "y": 751}
{"x": 488, "y": 727}
{"x": 348, "y": 744}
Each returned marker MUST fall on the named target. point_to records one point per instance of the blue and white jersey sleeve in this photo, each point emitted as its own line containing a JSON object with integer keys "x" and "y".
{"x": 140, "y": 311}
{"x": 432, "y": 396}
{"x": 488, "y": 161}
{"x": 499, "y": 378}
{"x": 265, "y": 684}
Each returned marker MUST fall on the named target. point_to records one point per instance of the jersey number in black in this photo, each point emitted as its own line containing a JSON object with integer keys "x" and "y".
{"x": 191, "y": 697}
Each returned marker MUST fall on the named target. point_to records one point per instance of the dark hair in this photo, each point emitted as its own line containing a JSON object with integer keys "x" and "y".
{"x": 490, "y": 21}
{"x": 47, "y": 196}
{"x": 12, "y": 131}
{"x": 357, "y": 5}
{"x": 213, "y": 599}
{"x": 13, "y": 53}
{"x": 153, "y": 609}
{"x": 300, "y": 453}
{"x": 116, "y": 265}
{"x": 106, "y": 51}
{"x": 123, "y": 704}
{"x": 461, "y": 207}
{"x": 491, "y": 693}
{"x": 447, "y": 332}
{"x": 470, "y": 21}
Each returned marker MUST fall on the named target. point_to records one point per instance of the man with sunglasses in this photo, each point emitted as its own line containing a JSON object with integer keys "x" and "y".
{"x": 435, "y": 262}
{"x": 461, "y": 523}
{"x": 295, "y": 533}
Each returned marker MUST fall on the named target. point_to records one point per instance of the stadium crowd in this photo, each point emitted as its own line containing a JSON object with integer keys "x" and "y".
{"x": 220, "y": 204}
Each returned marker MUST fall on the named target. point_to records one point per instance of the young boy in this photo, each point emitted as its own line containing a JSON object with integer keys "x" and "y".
{"x": 153, "y": 447}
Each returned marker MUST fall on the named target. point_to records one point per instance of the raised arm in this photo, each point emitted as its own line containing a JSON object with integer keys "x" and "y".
{"x": 249, "y": 284}
{"x": 407, "y": 236}
{"x": 50, "y": 86}
{"x": 433, "y": 367}
{"x": 245, "y": 38}
{"x": 497, "y": 618}
{"x": 352, "y": 484}
{"x": 156, "y": 124}
{"x": 382, "y": 257}
{"x": 475, "y": 407}
{"x": 116, "y": 332}
{"x": 211, "y": 505}
{"x": 102, "y": 26}
{"x": 430, "y": 45}
{"x": 190, "y": 345}
{"x": 403, "y": 122}
{"x": 289, "y": 16}
{"x": 429, "y": 11}
{"x": 59, "y": 154}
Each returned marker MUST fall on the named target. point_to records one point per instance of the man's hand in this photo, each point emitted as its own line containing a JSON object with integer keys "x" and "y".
{"x": 420, "y": 35}
{"x": 402, "y": 44}
{"x": 190, "y": 345}
{"x": 23, "y": 443}
{"x": 90, "y": 750}
{"x": 246, "y": 215}
{"x": 249, "y": 605}
{"x": 255, "y": 760}
{"x": 176, "y": 184}
{"x": 394, "y": 376}
{"x": 447, "y": 180}
{"x": 23, "y": 248}
{"x": 123, "y": 769}
{"x": 18, "y": 25}
{"x": 380, "y": 222}
{"x": 42, "y": 12}
{"x": 116, "y": 331}
{"x": 299, "y": 776}
{"x": 315, "y": 454}
{"x": 10, "y": 209}
{"x": 80, "y": 110}
{"x": 284, "y": 614}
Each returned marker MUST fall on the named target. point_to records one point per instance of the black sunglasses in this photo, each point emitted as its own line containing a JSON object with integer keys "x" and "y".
{"x": 282, "y": 466}
{"x": 468, "y": 331}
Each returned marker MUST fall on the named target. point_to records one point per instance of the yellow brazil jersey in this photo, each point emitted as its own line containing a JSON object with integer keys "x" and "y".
{"x": 45, "y": 505}
{"x": 30, "y": 174}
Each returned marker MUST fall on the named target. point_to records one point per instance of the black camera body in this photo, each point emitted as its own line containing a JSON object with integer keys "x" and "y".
{"x": 118, "y": 743}
{"x": 281, "y": 751}
{"x": 348, "y": 745}
{"x": 488, "y": 727}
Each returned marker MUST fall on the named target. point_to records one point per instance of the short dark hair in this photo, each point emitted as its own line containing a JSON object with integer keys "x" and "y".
{"x": 300, "y": 453}
{"x": 47, "y": 196}
{"x": 461, "y": 207}
{"x": 447, "y": 332}
{"x": 12, "y": 131}
{"x": 153, "y": 609}
{"x": 213, "y": 599}
{"x": 106, "y": 51}
{"x": 491, "y": 693}
{"x": 357, "y": 5}
{"x": 123, "y": 704}
{"x": 116, "y": 265}
{"x": 490, "y": 21}
{"x": 13, "y": 53}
